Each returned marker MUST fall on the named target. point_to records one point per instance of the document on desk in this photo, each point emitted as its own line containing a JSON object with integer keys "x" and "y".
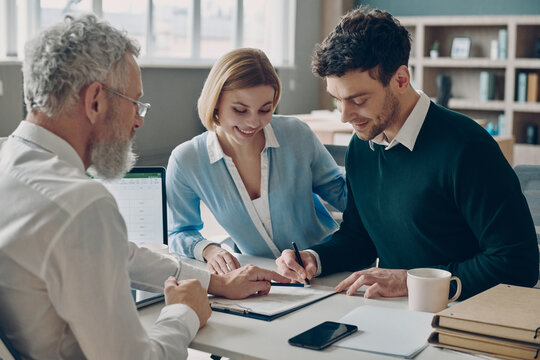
{"x": 280, "y": 301}
{"x": 388, "y": 331}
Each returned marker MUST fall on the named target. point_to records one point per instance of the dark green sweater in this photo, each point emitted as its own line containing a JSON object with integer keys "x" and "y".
{"x": 452, "y": 203}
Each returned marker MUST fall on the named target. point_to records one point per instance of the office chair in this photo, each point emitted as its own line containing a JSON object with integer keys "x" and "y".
{"x": 7, "y": 351}
{"x": 529, "y": 178}
{"x": 338, "y": 153}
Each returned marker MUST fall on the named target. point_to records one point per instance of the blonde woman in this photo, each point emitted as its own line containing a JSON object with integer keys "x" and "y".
{"x": 261, "y": 175}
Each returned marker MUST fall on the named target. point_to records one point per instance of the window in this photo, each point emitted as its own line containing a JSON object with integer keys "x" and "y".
{"x": 52, "y": 10}
{"x": 128, "y": 15}
{"x": 217, "y": 26}
{"x": 171, "y": 31}
{"x": 5, "y": 14}
{"x": 269, "y": 25}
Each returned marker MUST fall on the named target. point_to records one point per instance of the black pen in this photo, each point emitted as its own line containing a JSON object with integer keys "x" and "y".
{"x": 299, "y": 260}
{"x": 286, "y": 284}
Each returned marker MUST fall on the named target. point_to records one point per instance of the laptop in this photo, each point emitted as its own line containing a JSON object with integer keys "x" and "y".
{"x": 142, "y": 201}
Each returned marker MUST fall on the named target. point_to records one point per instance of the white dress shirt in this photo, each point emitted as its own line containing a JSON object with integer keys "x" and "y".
{"x": 66, "y": 263}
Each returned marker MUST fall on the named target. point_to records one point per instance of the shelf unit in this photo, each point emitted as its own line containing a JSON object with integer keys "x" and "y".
{"x": 522, "y": 34}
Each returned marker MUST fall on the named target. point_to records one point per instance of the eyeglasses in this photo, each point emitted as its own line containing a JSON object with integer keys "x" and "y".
{"x": 142, "y": 108}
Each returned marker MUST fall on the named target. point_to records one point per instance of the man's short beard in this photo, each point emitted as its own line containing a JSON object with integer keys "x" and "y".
{"x": 111, "y": 160}
{"x": 388, "y": 116}
{"x": 111, "y": 156}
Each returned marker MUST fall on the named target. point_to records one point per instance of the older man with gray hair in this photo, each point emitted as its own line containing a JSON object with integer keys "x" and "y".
{"x": 65, "y": 262}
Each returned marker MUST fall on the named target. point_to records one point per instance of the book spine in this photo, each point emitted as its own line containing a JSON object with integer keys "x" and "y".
{"x": 532, "y": 87}
{"x": 501, "y": 124}
{"x": 484, "y": 85}
{"x": 503, "y": 40}
{"x": 486, "y": 344}
{"x": 487, "y": 86}
{"x": 521, "y": 87}
{"x": 494, "y": 50}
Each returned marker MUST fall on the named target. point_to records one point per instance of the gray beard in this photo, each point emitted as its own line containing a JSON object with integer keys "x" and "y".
{"x": 111, "y": 160}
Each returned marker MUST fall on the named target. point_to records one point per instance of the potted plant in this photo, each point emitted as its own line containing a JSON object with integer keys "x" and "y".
{"x": 434, "y": 51}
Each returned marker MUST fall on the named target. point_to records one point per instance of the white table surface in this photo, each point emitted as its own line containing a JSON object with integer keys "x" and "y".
{"x": 239, "y": 337}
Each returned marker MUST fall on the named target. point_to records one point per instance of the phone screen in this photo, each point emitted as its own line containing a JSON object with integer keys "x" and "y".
{"x": 322, "y": 335}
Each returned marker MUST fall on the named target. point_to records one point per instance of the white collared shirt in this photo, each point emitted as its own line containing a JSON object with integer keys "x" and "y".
{"x": 258, "y": 213}
{"x": 409, "y": 131}
{"x": 66, "y": 264}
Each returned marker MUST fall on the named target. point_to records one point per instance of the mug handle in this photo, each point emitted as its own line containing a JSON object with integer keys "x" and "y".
{"x": 458, "y": 290}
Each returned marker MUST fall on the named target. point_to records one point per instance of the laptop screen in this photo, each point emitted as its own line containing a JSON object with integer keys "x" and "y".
{"x": 141, "y": 198}
{"x": 142, "y": 201}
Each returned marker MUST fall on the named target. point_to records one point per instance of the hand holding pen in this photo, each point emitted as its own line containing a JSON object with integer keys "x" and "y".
{"x": 299, "y": 261}
{"x": 296, "y": 265}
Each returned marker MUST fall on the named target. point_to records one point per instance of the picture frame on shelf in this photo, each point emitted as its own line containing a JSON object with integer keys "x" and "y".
{"x": 461, "y": 47}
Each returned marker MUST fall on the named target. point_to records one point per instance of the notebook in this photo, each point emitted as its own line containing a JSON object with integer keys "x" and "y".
{"x": 142, "y": 201}
{"x": 504, "y": 311}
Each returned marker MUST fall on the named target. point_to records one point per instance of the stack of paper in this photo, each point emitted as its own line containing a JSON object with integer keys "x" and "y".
{"x": 502, "y": 322}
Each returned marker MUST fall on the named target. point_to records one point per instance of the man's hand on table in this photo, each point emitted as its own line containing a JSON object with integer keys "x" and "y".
{"x": 243, "y": 282}
{"x": 382, "y": 282}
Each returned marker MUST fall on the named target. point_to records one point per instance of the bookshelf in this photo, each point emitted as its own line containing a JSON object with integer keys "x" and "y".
{"x": 522, "y": 33}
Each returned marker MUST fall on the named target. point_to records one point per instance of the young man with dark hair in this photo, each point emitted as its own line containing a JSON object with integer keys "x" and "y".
{"x": 428, "y": 187}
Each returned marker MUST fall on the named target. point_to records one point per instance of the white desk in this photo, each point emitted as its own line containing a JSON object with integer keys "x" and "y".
{"x": 238, "y": 337}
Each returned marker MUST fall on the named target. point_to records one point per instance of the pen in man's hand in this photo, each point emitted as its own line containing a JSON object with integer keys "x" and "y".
{"x": 299, "y": 260}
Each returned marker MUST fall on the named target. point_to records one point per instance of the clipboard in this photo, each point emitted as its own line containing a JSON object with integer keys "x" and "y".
{"x": 279, "y": 302}
{"x": 144, "y": 298}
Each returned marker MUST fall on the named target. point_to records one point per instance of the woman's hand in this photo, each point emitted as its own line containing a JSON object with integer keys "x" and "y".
{"x": 219, "y": 261}
{"x": 287, "y": 265}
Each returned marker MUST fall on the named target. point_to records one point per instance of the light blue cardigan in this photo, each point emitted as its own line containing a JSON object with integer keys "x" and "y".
{"x": 299, "y": 168}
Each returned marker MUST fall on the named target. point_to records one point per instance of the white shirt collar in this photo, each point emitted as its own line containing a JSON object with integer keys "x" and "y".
{"x": 408, "y": 133}
{"x": 49, "y": 141}
{"x": 215, "y": 152}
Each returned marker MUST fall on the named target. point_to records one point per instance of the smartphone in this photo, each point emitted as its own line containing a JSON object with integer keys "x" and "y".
{"x": 322, "y": 335}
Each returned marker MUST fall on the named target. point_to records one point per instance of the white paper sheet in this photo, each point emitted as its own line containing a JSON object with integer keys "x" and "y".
{"x": 388, "y": 331}
{"x": 280, "y": 299}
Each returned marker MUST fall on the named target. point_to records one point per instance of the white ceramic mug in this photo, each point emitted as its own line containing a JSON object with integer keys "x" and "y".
{"x": 429, "y": 288}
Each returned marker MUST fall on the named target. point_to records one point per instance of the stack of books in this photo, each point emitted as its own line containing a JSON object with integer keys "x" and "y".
{"x": 502, "y": 322}
{"x": 527, "y": 87}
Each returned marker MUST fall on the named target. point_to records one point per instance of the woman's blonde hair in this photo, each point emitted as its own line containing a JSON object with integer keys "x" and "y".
{"x": 238, "y": 69}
